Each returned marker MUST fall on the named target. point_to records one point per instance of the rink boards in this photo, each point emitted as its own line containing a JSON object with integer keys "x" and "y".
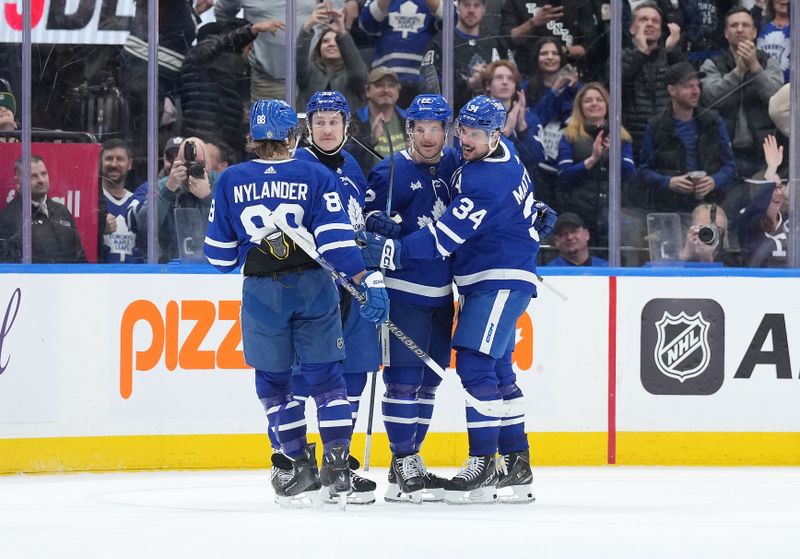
{"x": 144, "y": 370}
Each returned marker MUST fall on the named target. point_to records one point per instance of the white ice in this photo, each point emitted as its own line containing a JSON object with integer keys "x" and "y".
{"x": 619, "y": 512}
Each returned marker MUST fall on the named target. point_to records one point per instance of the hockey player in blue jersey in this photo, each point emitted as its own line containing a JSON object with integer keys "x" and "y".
{"x": 491, "y": 232}
{"x": 290, "y": 307}
{"x": 327, "y": 121}
{"x": 421, "y": 293}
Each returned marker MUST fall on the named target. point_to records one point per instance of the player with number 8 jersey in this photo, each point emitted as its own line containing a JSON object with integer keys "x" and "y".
{"x": 290, "y": 306}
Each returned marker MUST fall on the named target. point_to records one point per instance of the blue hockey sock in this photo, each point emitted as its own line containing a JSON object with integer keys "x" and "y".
{"x": 355, "y": 387}
{"x": 425, "y": 399}
{"x": 512, "y": 429}
{"x": 399, "y": 408}
{"x": 335, "y": 418}
{"x": 479, "y": 379}
{"x": 287, "y": 422}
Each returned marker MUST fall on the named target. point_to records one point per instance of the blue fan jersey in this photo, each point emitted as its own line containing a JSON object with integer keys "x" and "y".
{"x": 251, "y": 196}
{"x": 420, "y": 194}
{"x": 487, "y": 228}
{"x": 352, "y": 181}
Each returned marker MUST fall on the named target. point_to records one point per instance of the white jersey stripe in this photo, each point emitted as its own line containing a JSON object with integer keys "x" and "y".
{"x": 332, "y": 227}
{"x": 333, "y": 246}
{"x": 294, "y": 425}
{"x": 496, "y": 274}
{"x": 221, "y": 244}
{"x": 418, "y": 288}
{"x": 403, "y": 420}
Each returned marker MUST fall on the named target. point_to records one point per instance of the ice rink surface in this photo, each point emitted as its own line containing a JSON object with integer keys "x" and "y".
{"x": 619, "y": 512}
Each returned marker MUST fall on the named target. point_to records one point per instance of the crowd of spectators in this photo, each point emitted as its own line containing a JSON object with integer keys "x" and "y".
{"x": 704, "y": 88}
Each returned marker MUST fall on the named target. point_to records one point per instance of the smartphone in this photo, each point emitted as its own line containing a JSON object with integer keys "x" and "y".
{"x": 515, "y": 97}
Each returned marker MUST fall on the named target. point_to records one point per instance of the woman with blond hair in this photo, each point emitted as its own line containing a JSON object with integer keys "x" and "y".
{"x": 583, "y": 161}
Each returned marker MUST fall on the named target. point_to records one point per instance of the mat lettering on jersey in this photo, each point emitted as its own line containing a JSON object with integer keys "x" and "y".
{"x": 270, "y": 189}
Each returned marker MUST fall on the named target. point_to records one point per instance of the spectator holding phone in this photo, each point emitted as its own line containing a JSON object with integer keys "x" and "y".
{"x": 570, "y": 22}
{"x": 335, "y": 63}
{"x": 583, "y": 161}
{"x": 501, "y": 80}
{"x": 550, "y": 95}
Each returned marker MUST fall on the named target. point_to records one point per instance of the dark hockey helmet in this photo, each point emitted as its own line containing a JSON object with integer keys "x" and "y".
{"x": 272, "y": 119}
{"x": 483, "y": 112}
{"x": 328, "y": 101}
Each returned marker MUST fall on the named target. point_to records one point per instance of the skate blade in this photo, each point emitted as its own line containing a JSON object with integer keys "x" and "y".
{"x": 432, "y": 495}
{"x": 362, "y": 498}
{"x": 518, "y": 495}
{"x": 307, "y": 500}
{"x": 480, "y": 496}
{"x": 395, "y": 495}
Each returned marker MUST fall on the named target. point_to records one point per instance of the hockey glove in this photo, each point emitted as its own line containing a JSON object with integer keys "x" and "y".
{"x": 545, "y": 219}
{"x": 378, "y": 251}
{"x": 382, "y": 224}
{"x": 376, "y": 308}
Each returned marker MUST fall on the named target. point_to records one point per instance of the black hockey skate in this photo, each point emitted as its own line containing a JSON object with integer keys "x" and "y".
{"x": 514, "y": 473}
{"x": 474, "y": 483}
{"x": 335, "y": 474}
{"x": 406, "y": 481}
{"x": 296, "y": 482}
{"x": 434, "y": 485}
{"x": 363, "y": 488}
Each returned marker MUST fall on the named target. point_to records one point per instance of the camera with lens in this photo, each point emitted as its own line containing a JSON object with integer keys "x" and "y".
{"x": 711, "y": 234}
{"x": 193, "y": 167}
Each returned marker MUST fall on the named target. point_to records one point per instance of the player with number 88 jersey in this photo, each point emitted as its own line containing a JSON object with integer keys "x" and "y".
{"x": 290, "y": 306}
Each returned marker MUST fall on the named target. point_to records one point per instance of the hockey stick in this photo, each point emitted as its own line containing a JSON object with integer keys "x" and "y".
{"x": 368, "y": 440}
{"x": 385, "y": 352}
{"x": 551, "y": 287}
{"x": 430, "y": 77}
{"x": 496, "y": 408}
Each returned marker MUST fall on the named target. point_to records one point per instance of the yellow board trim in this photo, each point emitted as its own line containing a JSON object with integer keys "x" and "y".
{"x": 186, "y": 452}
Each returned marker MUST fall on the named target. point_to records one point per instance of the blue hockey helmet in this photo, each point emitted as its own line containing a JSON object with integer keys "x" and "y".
{"x": 328, "y": 101}
{"x": 428, "y": 106}
{"x": 483, "y": 112}
{"x": 272, "y": 119}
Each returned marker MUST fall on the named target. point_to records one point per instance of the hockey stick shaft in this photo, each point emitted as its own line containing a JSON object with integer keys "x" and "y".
{"x": 385, "y": 351}
{"x": 551, "y": 287}
{"x": 493, "y": 408}
{"x": 370, "y": 417}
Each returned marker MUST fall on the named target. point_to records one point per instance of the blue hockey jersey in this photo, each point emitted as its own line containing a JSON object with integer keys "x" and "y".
{"x": 353, "y": 184}
{"x": 403, "y": 35}
{"x": 251, "y": 196}
{"x": 420, "y": 194}
{"x": 487, "y": 228}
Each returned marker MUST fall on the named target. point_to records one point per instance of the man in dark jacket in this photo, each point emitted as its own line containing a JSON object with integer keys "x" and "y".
{"x": 215, "y": 83}
{"x": 687, "y": 154}
{"x": 54, "y": 237}
{"x": 644, "y": 70}
{"x": 739, "y": 83}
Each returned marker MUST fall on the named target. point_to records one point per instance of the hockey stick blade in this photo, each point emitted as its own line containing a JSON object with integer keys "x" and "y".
{"x": 494, "y": 408}
{"x": 430, "y": 77}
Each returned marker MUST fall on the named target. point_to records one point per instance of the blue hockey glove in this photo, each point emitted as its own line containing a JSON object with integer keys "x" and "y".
{"x": 376, "y": 308}
{"x": 545, "y": 219}
{"x": 378, "y": 251}
{"x": 382, "y": 224}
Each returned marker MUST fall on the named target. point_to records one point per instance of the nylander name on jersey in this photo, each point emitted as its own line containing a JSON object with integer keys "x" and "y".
{"x": 270, "y": 189}
{"x": 487, "y": 228}
{"x": 420, "y": 194}
{"x": 353, "y": 184}
{"x": 251, "y": 197}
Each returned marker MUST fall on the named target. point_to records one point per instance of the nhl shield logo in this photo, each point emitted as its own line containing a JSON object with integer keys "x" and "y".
{"x": 682, "y": 351}
{"x": 682, "y": 346}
